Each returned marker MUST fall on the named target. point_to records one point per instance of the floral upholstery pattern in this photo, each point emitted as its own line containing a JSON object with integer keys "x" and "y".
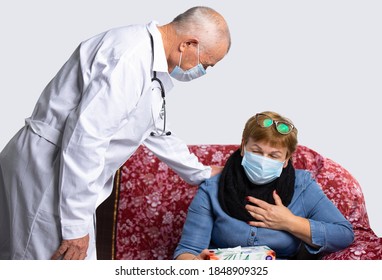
{"x": 153, "y": 202}
{"x": 346, "y": 193}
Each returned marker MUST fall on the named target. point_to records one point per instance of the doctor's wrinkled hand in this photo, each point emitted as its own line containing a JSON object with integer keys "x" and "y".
{"x": 216, "y": 170}
{"x": 72, "y": 249}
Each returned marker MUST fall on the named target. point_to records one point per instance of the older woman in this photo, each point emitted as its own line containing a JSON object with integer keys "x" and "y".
{"x": 260, "y": 199}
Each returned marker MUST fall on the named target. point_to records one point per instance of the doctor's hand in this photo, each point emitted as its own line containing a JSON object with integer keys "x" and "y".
{"x": 271, "y": 216}
{"x": 72, "y": 249}
{"x": 216, "y": 170}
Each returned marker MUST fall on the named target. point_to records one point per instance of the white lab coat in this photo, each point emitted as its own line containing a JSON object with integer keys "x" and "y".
{"x": 93, "y": 115}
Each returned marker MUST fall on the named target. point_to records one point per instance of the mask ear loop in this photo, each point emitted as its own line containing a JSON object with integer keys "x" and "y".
{"x": 198, "y": 54}
{"x": 180, "y": 59}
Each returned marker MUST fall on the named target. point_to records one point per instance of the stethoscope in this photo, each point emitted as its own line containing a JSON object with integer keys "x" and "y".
{"x": 163, "y": 94}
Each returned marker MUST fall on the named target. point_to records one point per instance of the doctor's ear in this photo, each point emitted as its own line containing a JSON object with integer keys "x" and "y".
{"x": 188, "y": 43}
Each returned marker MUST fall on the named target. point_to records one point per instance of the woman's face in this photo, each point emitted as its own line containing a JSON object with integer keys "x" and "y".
{"x": 264, "y": 149}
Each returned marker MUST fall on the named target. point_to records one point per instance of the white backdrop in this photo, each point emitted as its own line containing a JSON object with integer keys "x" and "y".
{"x": 317, "y": 62}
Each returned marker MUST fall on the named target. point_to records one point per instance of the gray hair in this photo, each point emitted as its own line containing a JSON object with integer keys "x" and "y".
{"x": 205, "y": 23}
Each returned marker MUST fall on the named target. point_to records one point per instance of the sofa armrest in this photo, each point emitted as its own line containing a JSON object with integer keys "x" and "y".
{"x": 366, "y": 246}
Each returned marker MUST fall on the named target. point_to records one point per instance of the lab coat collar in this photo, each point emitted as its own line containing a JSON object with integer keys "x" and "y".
{"x": 160, "y": 61}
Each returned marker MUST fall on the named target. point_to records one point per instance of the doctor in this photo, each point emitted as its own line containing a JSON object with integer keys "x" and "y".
{"x": 106, "y": 100}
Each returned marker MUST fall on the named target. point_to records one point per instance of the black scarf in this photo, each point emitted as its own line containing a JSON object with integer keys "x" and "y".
{"x": 234, "y": 187}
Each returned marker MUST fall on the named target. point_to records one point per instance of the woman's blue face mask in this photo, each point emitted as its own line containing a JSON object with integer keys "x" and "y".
{"x": 259, "y": 169}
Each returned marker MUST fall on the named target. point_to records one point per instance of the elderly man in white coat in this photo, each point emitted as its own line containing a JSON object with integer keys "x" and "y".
{"x": 105, "y": 102}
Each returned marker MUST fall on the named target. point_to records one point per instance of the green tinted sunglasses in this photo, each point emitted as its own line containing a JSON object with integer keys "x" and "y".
{"x": 282, "y": 127}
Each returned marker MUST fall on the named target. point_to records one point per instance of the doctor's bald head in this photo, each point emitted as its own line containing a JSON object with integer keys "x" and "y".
{"x": 206, "y": 23}
{"x": 197, "y": 38}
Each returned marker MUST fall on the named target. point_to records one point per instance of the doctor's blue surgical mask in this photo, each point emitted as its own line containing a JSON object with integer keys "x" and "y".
{"x": 259, "y": 169}
{"x": 190, "y": 74}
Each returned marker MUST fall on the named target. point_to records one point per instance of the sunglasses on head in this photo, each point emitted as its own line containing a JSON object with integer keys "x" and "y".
{"x": 282, "y": 127}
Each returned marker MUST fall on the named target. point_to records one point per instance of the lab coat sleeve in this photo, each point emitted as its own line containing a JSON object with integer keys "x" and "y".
{"x": 175, "y": 153}
{"x": 88, "y": 131}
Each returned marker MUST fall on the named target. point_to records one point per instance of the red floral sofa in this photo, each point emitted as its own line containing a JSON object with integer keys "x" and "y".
{"x": 144, "y": 216}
